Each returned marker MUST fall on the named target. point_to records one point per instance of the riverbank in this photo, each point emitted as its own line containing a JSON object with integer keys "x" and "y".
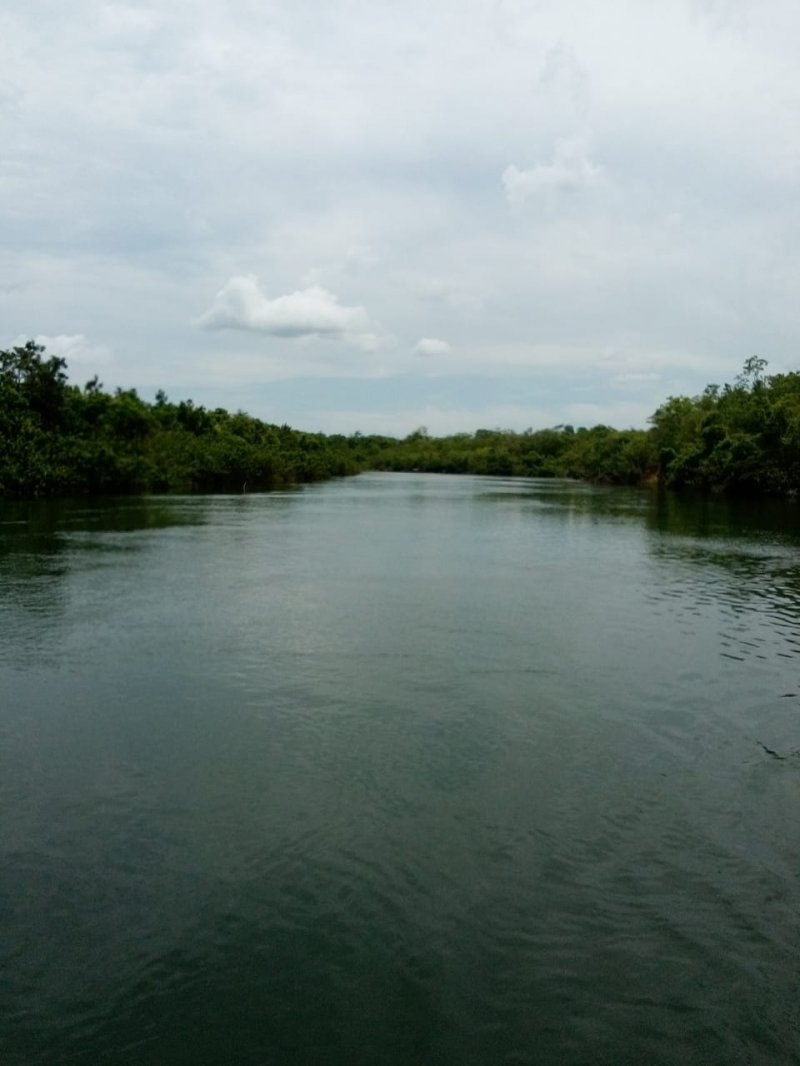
{"x": 57, "y": 439}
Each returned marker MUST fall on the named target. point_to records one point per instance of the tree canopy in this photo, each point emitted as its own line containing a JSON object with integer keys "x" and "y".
{"x": 57, "y": 438}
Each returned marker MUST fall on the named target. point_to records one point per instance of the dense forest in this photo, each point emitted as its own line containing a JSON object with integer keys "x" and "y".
{"x": 59, "y": 438}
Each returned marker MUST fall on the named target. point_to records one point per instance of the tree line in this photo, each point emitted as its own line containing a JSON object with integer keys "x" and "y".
{"x": 57, "y": 438}
{"x": 742, "y": 439}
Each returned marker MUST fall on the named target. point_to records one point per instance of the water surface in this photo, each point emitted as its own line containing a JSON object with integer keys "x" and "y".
{"x": 400, "y": 769}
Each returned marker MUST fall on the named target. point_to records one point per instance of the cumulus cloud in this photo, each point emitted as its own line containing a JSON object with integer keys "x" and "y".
{"x": 570, "y": 170}
{"x": 432, "y": 346}
{"x": 312, "y": 312}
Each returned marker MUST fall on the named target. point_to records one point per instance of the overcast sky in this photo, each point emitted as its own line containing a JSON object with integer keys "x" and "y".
{"x": 373, "y": 215}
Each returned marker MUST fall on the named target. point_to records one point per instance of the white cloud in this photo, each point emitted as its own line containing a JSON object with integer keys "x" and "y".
{"x": 432, "y": 346}
{"x": 312, "y": 312}
{"x": 570, "y": 170}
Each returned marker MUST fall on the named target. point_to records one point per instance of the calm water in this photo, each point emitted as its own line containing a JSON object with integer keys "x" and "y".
{"x": 400, "y": 769}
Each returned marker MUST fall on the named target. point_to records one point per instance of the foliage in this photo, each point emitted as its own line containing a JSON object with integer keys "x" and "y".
{"x": 741, "y": 438}
{"x": 57, "y": 438}
{"x": 599, "y": 454}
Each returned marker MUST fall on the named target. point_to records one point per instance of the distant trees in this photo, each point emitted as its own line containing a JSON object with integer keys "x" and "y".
{"x": 598, "y": 454}
{"x": 59, "y": 438}
{"x": 740, "y": 438}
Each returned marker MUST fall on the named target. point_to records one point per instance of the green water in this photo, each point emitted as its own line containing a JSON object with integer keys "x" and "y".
{"x": 400, "y": 769}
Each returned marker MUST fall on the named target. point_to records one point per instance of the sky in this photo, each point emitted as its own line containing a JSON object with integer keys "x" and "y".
{"x": 376, "y": 216}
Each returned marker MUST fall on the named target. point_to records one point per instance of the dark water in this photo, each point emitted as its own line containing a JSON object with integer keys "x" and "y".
{"x": 400, "y": 769}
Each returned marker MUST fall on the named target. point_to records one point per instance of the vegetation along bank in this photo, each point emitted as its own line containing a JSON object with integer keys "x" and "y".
{"x": 57, "y": 439}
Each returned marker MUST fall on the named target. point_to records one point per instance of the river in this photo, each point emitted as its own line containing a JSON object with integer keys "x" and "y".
{"x": 400, "y": 769}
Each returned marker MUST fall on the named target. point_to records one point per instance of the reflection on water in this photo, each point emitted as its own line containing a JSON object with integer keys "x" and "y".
{"x": 400, "y": 768}
{"x": 718, "y": 516}
{"x": 37, "y": 537}
{"x": 739, "y": 557}
{"x": 43, "y": 544}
